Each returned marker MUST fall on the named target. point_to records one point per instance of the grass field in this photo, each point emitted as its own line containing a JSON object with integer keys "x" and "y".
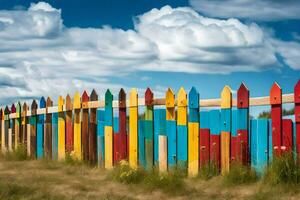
{"x": 31, "y": 179}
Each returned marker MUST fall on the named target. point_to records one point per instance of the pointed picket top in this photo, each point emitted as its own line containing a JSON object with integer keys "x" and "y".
{"x": 193, "y": 98}
{"x": 24, "y": 109}
{"x": 49, "y": 102}
{"x": 243, "y": 96}
{"x": 60, "y": 103}
{"x": 148, "y": 97}
{"x": 85, "y": 97}
{"x": 133, "y": 99}
{"x": 297, "y": 92}
{"x": 18, "y": 107}
{"x": 76, "y": 103}
{"x": 170, "y": 98}
{"x": 34, "y": 107}
{"x": 94, "y": 96}
{"x": 108, "y": 98}
{"x": 42, "y": 102}
{"x": 182, "y": 97}
{"x": 6, "y": 110}
{"x": 122, "y": 98}
{"x": 69, "y": 105}
{"x": 13, "y": 108}
{"x": 275, "y": 94}
{"x": 226, "y": 97}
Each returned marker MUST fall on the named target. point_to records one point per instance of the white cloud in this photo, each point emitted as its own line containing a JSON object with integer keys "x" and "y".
{"x": 40, "y": 56}
{"x": 265, "y": 10}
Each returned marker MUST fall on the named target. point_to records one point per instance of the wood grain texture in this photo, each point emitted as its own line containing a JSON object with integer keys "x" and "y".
{"x": 287, "y": 136}
{"x": 204, "y": 150}
{"x": 48, "y": 131}
{"x": 69, "y": 125}
{"x": 133, "y": 129}
{"x": 108, "y": 163}
{"x": 162, "y": 156}
{"x": 93, "y": 130}
{"x": 17, "y": 129}
{"x": 33, "y": 129}
{"x": 149, "y": 129}
{"x": 77, "y": 127}
{"x": 276, "y": 116}
{"x": 40, "y": 131}
{"x": 85, "y": 127}
{"x": 226, "y": 103}
{"x": 24, "y": 125}
{"x": 61, "y": 144}
{"x": 193, "y": 149}
{"x": 170, "y": 104}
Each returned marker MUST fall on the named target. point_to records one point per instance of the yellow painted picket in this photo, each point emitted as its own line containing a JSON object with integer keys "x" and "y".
{"x": 61, "y": 130}
{"x": 108, "y": 131}
{"x": 133, "y": 129}
{"x": 77, "y": 127}
{"x": 182, "y": 107}
{"x": 193, "y": 148}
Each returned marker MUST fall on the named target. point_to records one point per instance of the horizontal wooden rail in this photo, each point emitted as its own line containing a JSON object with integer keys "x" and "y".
{"x": 254, "y": 101}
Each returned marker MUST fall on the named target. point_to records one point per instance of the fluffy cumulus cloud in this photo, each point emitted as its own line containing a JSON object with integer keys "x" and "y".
{"x": 39, "y": 55}
{"x": 265, "y": 10}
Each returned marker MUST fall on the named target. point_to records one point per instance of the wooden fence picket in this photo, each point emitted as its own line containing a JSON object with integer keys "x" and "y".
{"x": 133, "y": 129}
{"x": 159, "y": 129}
{"x": 17, "y": 128}
{"x": 12, "y": 128}
{"x": 33, "y": 129}
{"x": 24, "y": 125}
{"x": 108, "y": 131}
{"x": 2, "y": 130}
{"x": 40, "y": 130}
{"x": 193, "y": 133}
{"x": 54, "y": 136}
{"x": 61, "y": 140}
{"x": 93, "y": 130}
{"x": 77, "y": 127}
{"x": 69, "y": 125}
{"x": 171, "y": 128}
{"x": 276, "y": 116}
{"x": 215, "y": 139}
{"x": 85, "y": 126}
{"x": 149, "y": 128}
{"x": 243, "y": 125}
{"x": 182, "y": 135}
{"x": 226, "y": 104}
{"x": 48, "y": 131}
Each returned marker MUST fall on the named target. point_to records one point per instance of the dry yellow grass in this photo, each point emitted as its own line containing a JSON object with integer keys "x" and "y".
{"x": 28, "y": 180}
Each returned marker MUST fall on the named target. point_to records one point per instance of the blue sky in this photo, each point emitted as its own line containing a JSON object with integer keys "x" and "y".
{"x": 55, "y": 47}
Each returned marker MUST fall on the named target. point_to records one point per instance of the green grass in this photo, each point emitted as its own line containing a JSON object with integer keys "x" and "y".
{"x": 282, "y": 170}
{"x": 18, "y": 154}
{"x": 239, "y": 174}
{"x": 208, "y": 171}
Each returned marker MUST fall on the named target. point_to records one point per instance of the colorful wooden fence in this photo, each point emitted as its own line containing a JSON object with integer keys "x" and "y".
{"x": 171, "y": 133}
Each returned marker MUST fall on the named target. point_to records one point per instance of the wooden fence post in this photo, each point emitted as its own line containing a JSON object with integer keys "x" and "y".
{"x": 12, "y": 128}
{"x": 133, "y": 128}
{"x": 48, "y": 130}
{"x": 276, "y": 116}
{"x": 171, "y": 128}
{"x": 297, "y": 118}
{"x": 77, "y": 127}
{"x": 149, "y": 128}
{"x": 69, "y": 125}
{"x": 55, "y": 136}
{"x": 243, "y": 125}
{"x": 33, "y": 129}
{"x": 40, "y": 130}
{"x": 100, "y": 137}
{"x": 226, "y": 104}
{"x": 93, "y": 130}
{"x": 193, "y": 133}
{"x": 120, "y": 139}
{"x": 24, "y": 125}
{"x": 17, "y": 126}
{"x": 7, "y": 127}
{"x": 85, "y": 126}
{"x": 108, "y": 130}
{"x": 61, "y": 130}
{"x": 182, "y": 137}
{"x": 159, "y": 129}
